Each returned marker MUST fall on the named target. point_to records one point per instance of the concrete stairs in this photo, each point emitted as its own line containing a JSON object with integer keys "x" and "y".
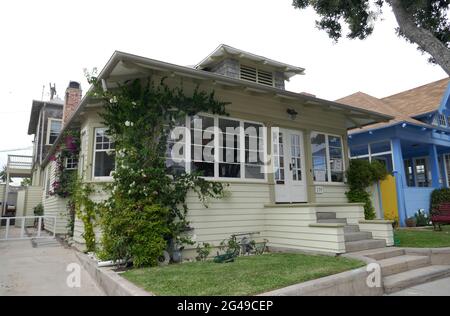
{"x": 401, "y": 271}
{"x": 355, "y": 240}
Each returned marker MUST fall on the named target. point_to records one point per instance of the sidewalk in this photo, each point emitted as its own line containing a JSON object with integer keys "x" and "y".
{"x": 29, "y": 267}
{"x": 435, "y": 288}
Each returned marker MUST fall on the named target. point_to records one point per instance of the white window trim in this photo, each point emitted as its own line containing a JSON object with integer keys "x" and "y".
{"x": 94, "y": 142}
{"x": 65, "y": 164}
{"x": 49, "y": 124}
{"x": 217, "y": 145}
{"x": 327, "y": 150}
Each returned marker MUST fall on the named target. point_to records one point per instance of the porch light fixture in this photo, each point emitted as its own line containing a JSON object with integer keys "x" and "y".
{"x": 370, "y": 132}
{"x": 292, "y": 113}
{"x": 403, "y": 125}
{"x": 424, "y": 129}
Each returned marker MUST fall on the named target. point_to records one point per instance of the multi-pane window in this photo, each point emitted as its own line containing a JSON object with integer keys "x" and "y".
{"x": 53, "y": 130}
{"x": 71, "y": 163}
{"x": 221, "y": 147}
{"x": 254, "y": 74}
{"x": 327, "y": 156}
{"x": 104, "y": 158}
{"x": 442, "y": 121}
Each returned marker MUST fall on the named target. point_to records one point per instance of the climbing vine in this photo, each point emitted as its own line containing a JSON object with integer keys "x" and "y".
{"x": 360, "y": 175}
{"x": 147, "y": 207}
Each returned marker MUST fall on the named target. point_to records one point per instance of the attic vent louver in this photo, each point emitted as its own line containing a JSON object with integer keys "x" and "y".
{"x": 255, "y": 75}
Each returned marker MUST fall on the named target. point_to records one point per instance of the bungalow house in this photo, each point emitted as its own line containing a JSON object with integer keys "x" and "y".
{"x": 301, "y": 206}
{"x": 414, "y": 146}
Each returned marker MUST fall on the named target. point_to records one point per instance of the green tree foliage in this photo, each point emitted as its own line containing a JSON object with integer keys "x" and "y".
{"x": 360, "y": 175}
{"x": 423, "y": 22}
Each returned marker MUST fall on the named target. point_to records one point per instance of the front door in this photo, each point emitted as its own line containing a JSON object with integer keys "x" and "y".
{"x": 289, "y": 166}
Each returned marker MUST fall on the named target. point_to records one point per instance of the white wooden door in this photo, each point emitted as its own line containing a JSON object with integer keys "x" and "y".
{"x": 289, "y": 166}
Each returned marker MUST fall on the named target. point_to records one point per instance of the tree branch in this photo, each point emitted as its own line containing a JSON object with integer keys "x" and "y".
{"x": 422, "y": 37}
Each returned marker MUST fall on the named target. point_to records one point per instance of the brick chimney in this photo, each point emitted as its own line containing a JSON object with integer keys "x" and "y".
{"x": 71, "y": 101}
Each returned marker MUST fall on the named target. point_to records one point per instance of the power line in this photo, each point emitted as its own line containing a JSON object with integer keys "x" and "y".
{"x": 15, "y": 149}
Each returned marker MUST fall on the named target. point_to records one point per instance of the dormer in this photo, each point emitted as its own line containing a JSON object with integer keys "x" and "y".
{"x": 238, "y": 64}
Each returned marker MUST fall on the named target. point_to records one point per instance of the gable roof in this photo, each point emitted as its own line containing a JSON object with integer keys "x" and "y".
{"x": 416, "y": 101}
{"x": 368, "y": 102}
{"x": 403, "y": 106}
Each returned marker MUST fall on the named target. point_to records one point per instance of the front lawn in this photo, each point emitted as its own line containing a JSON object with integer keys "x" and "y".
{"x": 248, "y": 275}
{"x": 423, "y": 238}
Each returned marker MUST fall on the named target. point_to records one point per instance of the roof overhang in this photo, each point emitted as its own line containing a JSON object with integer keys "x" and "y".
{"x": 224, "y": 51}
{"x": 403, "y": 124}
{"x": 123, "y": 66}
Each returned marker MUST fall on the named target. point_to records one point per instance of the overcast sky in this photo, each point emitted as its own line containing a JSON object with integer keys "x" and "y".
{"x": 53, "y": 41}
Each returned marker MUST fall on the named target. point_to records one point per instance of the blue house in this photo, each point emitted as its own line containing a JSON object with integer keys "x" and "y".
{"x": 414, "y": 146}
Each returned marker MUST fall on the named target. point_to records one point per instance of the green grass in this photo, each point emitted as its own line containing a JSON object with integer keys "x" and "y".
{"x": 248, "y": 275}
{"x": 423, "y": 238}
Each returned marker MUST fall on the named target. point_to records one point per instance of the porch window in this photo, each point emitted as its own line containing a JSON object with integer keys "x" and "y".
{"x": 104, "y": 159}
{"x": 380, "y": 151}
{"x": 442, "y": 121}
{"x": 176, "y": 148}
{"x": 53, "y": 129}
{"x": 421, "y": 169}
{"x": 327, "y": 156}
{"x": 220, "y": 147}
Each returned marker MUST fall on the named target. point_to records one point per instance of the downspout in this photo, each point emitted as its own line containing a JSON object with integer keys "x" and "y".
{"x": 42, "y": 134}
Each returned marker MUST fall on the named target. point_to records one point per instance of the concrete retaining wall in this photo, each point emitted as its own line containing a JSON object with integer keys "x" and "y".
{"x": 350, "y": 283}
{"x": 110, "y": 282}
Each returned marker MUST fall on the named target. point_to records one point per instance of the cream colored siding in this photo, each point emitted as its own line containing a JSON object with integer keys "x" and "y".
{"x": 331, "y": 193}
{"x": 54, "y": 205}
{"x": 380, "y": 229}
{"x": 288, "y": 227}
{"x": 97, "y": 196}
{"x": 239, "y": 212}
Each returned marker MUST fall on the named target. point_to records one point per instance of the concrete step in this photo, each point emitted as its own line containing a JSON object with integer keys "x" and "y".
{"x": 355, "y": 236}
{"x": 326, "y": 215}
{"x": 400, "y": 281}
{"x": 401, "y": 264}
{"x": 365, "y": 244}
{"x": 351, "y": 229}
{"x": 380, "y": 254}
{"x": 333, "y": 221}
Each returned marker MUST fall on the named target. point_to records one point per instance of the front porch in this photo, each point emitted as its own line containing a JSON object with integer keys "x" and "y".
{"x": 321, "y": 227}
{"x": 418, "y": 159}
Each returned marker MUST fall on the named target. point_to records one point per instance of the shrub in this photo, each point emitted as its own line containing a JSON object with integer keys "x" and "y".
{"x": 38, "y": 210}
{"x": 360, "y": 175}
{"x": 439, "y": 196}
{"x": 203, "y": 251}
